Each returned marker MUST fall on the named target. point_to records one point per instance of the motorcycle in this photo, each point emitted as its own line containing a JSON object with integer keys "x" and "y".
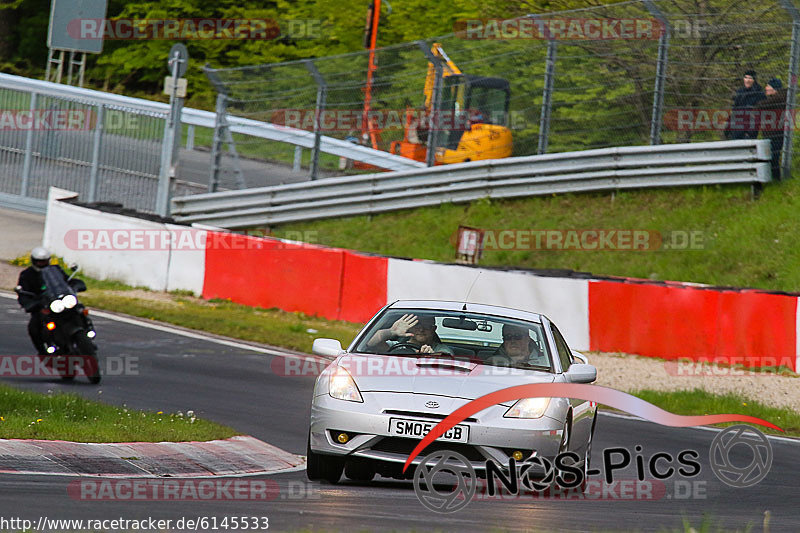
{"x": 67, "y": 329}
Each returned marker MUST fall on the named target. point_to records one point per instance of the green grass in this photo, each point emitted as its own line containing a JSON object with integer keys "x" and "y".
{"x": 295, "y": 331}
{"x": 700, "y": 402}
{"x": 748, "y": 243}
{"x": 30, "y": 415}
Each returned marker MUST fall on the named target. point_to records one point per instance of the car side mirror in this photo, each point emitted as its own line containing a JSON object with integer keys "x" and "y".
{"x": 327, "y": 347}
{"x": 580, "y": 356}
{"x": 581, "y": 373}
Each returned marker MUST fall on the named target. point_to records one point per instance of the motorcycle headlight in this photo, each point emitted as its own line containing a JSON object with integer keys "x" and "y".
{"x": 57, "y": 306}
{"x": 69, "y": 301}
{"x": 341, "y": 386}
{"x": 528, "y": 408}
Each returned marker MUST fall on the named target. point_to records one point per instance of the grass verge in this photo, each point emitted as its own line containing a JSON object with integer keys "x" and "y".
{"x": 701, "y": 402}
{"x": 739, "y": 241}
{"x": 30, "y": 415}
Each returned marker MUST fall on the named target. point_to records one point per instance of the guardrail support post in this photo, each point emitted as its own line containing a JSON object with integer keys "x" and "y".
{"x": 436, "y": 103}
{"x": 661, "y": 73}
{"x": 791, "y": 91}
{"x": 322, "y": 93}
{"x": 91, "y": 195}
{"x": 26, "y": 164}
{"x": 547, "y": 96}
{"x": 298, "y": 158}
{"x": 190, "y": 137}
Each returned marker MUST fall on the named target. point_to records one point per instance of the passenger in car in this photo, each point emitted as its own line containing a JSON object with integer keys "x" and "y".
{"x": 419, "y": 331}
{"x": 519, "y": 348}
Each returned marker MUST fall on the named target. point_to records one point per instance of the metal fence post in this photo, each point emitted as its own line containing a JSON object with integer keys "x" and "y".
{"x": 168, "y": 143}
{"x": 216, "y": 142}
{"x": 791, "y": 90}
{"x": 547, "y": 96}
{"x": 26, "y": 164}
{"x": 322, "y": 93}
{"x": 91, "y": 195}
{"x": 661, "y": 73}
{"x": 436, "y": 103}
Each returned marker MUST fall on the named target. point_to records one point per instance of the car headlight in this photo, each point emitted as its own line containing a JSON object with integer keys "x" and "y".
{"x": 528, "y": 408}
{"x": 69, "y": 301}
{"x": 341, "y": 386}
{"x": 57, "y": 306}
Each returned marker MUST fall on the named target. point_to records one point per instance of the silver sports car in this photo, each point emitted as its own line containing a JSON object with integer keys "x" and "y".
{"x": 415, "y": 362}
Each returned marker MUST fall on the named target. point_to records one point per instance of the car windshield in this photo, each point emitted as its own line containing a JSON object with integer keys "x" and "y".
{"x": 484, "y": 339}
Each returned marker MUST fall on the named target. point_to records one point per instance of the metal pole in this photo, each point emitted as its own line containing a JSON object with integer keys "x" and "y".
{"x": 436, "y": 100}
{"x": 298, "y": 158}
{"x": 167, "y": 146}
{"x": 547, "y": 96}
{"x": 190, "y": 137}
{"x": 322, "y": 93}
{"x": 791, "y": 91}
{"x": 26, "y": 164}
{"x": 661, "y": 73}
{"x": 91, "y": 196}
{"x": 216, "y": 143}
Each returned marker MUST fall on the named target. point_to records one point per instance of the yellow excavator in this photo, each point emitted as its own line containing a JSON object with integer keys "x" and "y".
{"x": 472, "y": 120}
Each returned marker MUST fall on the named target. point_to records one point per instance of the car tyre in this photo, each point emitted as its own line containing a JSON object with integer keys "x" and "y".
{"x": 322, "y": 467}
{"x": 587, "y": 458}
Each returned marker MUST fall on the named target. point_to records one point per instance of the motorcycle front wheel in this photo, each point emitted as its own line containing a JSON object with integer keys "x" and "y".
{"x": 91, "y": 365}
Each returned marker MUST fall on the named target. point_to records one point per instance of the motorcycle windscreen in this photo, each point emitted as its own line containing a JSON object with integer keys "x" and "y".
{"x": 54, "y": 282}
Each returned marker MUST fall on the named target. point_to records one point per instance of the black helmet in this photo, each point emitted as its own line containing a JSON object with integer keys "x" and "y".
{"x": 40, "y": 257}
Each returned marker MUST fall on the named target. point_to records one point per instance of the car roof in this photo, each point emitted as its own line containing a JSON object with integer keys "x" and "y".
{"x": 447, "y": 305}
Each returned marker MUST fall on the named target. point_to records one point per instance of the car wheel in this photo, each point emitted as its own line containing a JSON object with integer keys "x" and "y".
{"x": 587, "y": 458}
{"x": 322, "y": 467}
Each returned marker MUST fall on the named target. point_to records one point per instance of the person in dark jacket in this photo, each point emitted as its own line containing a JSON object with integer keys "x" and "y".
{"x": 771, "y": 114}
{"x": 743, "y": 123}
{"x": 30, "y": 280}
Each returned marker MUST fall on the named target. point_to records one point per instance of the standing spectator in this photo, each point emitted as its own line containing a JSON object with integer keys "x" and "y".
{"x": 743, "y": 122}
{"x": 771, "y": 115}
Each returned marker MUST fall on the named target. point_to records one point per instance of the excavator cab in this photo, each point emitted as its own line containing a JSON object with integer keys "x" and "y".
{"x": 474, "y": 112}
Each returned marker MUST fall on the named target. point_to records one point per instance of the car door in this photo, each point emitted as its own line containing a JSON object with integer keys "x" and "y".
{"x": 582, "y": 410}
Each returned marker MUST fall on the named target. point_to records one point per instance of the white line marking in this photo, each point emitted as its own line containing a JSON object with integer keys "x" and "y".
{"x": 298, "y": 468}
{"x": 196, "y": 335}
{"x": 791, "y": 440}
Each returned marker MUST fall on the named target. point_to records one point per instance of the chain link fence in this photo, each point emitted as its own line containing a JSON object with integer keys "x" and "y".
{"x": 631, "y": 73}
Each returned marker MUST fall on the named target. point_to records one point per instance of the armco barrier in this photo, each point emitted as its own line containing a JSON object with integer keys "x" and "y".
{"x": 669, "y": 320}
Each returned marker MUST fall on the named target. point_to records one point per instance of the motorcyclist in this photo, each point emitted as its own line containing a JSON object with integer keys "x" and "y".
{"x": 30, "y": 280}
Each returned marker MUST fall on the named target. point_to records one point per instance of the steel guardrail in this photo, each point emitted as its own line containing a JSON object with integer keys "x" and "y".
{"x": 722, "y": 162}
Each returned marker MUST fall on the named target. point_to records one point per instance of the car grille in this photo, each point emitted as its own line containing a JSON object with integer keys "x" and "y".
{"x": 403, "y": 446}
{"x": 418, "y": 414}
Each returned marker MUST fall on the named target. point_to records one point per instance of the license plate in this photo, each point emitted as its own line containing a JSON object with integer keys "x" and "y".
{"x": 417, "y": 429}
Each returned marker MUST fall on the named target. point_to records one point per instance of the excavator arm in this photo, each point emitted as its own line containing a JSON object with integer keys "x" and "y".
{"x": 449, "y": 68}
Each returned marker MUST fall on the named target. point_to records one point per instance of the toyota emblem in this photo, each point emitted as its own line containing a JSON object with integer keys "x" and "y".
{"x": 432, "y": 405}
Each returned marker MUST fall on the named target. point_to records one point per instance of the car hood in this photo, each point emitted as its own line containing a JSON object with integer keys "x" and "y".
{"x": 432, "y": 375}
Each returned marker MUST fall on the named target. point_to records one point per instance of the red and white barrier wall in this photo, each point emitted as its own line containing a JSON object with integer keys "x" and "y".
{"x": 671, "y": 320}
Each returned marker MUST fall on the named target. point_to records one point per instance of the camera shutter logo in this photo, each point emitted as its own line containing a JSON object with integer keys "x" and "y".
{"x": 740, "y": 436}
{"x": 450, "y": 462}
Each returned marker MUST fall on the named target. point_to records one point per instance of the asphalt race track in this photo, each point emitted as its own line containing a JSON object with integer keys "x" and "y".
{"x": 238, "y": 387}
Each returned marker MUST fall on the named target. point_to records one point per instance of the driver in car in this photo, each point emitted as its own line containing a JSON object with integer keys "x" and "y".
{"x": 420, "y": 332}
{"x": 519, "y": 348}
